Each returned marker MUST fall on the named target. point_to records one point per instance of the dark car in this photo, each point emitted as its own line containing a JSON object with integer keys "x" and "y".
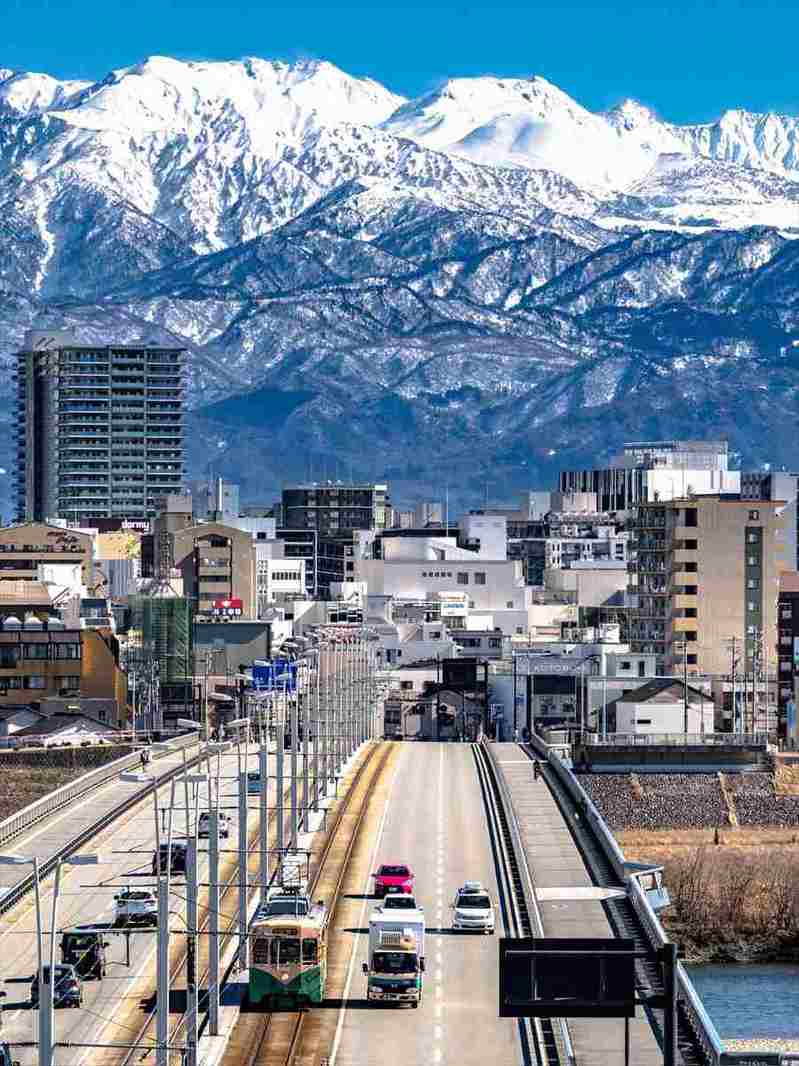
{"x": 178, "y": 864}
{"x": 85, "y": 950}
{"x": 67, "y": 992}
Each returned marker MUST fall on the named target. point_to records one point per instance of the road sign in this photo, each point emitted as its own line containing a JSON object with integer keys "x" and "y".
{"x": 566, "y": 978}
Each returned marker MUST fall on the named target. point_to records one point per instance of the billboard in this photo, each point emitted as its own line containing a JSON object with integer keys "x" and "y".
{"x": 790, "y": 720}
{"x": 232, "y": 608}
{"x": 566, "y": 978}
{"x": 453, "y": 604}
{"x": 459, "y": 674}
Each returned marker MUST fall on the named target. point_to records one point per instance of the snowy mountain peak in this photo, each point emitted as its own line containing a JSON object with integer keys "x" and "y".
{"x": 26, "y": 93}
{"x": 630, "y": 114}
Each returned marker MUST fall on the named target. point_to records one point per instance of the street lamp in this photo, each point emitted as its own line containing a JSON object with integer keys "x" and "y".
{"x": 584, "y": 688}
{"x": 162, "y": 961}
{"x": 47, "y": 986}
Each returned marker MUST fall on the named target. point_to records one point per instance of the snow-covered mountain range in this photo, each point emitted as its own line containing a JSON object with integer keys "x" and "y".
{"x": 481, "y": 283}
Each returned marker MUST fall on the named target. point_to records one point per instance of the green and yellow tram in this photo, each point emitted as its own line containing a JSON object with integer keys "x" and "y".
{"x": 288, "y": 960}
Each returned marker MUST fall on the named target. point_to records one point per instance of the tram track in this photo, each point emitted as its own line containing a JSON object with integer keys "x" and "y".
{"x": 544, "y": 1041}
{"x": 277, "y": 1038}
{"x": 143, "y": 1044}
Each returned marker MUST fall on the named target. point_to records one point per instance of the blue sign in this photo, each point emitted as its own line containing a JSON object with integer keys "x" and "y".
{"x": 274, "y": 674}
{"x": 790, "y": 714}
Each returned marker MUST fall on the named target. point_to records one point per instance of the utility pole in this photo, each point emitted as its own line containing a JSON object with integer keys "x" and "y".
{"x": 295, "y": 743}
{"x": 279, "y": 802}
{"x": 213, "y": 919}
{"x": 243, "y": 867}
{"x": 263, "y": 800}
{"x": 732, "y": 643}
{"x": 685, "y": 686}
{"x": 192, "y": 996}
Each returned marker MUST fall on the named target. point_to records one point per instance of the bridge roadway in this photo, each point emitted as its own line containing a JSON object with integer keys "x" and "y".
{"x": 430, "y": 815}
{"x": 559, "y": 878}
{"x": 87, "y": 896}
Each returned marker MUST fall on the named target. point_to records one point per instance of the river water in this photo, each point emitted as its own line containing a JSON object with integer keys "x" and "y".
{"x": 750, "y": 1001}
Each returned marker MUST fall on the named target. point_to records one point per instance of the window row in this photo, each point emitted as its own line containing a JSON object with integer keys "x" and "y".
{"x": 10, "y": 654}
{"x": 38, "y": 681}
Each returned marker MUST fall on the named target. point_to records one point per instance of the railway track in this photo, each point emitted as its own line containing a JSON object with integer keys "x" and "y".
{"x": 276, "y": 1038}
{"x": 544, "y": 1041}
{"x": 143, "y": 1044}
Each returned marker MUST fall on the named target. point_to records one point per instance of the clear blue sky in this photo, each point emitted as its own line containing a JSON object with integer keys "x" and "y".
{"x": 688, "y": 60}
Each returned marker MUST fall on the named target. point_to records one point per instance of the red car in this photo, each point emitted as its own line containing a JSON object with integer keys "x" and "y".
{"x": 393, "y": 877}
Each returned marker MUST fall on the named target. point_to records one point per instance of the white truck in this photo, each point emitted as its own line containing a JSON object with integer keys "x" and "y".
{"x": 396, "y": 956}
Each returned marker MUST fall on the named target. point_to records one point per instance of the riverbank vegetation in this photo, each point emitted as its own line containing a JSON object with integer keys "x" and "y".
{"x": 732, "y": 901}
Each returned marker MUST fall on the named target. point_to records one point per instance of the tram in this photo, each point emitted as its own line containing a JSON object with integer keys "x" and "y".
{"x": 288, "y": 959}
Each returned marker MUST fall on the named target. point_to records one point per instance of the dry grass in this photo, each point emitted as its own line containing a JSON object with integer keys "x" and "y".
{"x": 786, "y": 779}
{"x": 24, "y": 785}
{"x": 733, "y": 896}
{"x": 646, "y": 842}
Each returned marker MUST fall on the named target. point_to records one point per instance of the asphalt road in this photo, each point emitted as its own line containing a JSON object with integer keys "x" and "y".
{"x": 87, "y": 896}
{"x": 433, "y": 819}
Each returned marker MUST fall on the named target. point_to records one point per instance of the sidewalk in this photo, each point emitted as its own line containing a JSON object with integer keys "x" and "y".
{"x": 560, "y": 881}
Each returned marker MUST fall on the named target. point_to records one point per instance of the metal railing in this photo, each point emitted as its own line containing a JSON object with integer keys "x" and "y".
{"x": 698, "y": 1018}
{"x": 737, "y": 740}
{"x": 62, "y": 797}
{"x": 21, "y": 888}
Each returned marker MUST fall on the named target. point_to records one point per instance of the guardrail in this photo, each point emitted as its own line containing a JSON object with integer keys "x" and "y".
{"x": 61, "y": 797}
{"x": 679, "y": 739}
{"x": 21, "y": 888}
{"x": 689, "y": 1000}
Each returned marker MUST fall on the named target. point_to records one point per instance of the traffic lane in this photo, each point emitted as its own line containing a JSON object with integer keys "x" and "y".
{"x": 435, "y": 821}
{"x": 129, "y": 848}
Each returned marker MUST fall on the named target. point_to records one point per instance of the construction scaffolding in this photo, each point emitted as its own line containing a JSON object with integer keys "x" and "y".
{"x": 161, "y": 654}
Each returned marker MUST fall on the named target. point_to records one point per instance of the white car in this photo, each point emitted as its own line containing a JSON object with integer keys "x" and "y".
{"x": 472, "y": 909}
{"x": 135, "y": 906}
{"x": 223, "y": 821}
{"x": 400, "y": 903}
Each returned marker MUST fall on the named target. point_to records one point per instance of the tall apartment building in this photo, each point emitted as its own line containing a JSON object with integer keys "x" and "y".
{"x": 99, "y": 429}
{"x": 704, "y": 570}
{"x": 788, "y": 645}
{"x": 778, "y": 485}
{"x": 333, "y": 508}
{"x": 648, "y": 471}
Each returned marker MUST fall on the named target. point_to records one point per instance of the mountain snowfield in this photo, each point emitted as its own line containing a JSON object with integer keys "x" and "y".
{"x": 482, "y": 283}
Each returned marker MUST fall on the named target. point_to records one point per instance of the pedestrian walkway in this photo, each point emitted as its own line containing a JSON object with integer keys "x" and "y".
{"x": 560, "y": 881}
{"x": 47, "y": 837}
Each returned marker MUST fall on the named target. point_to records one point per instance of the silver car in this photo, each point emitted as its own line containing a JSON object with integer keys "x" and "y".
{"x": 472, "y": 909}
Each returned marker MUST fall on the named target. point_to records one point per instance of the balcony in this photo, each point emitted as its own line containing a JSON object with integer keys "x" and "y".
{"x": 685, "y": 533}
{"x": 684, "y": 555}
{"x": 222, "y": 573}
{"x": 683, "y": 577}
{"x": 674, "y": 657}
{"x": 683, "y": 601}
{"x": 683, "y": 625}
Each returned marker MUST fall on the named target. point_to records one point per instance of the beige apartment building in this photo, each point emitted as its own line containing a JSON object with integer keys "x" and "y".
{"x": 705, "y": 570}
{"x": 24, "y": 547}
{"x": 217, "y": 563}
